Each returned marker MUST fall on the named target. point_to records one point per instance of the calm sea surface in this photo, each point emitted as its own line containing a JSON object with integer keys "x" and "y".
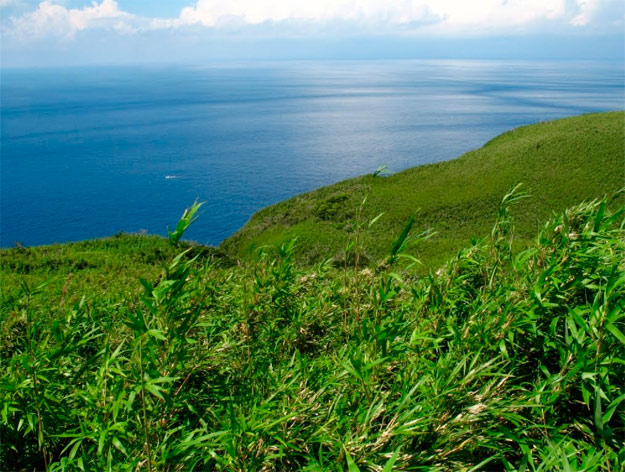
{"x": 90, "y": 152}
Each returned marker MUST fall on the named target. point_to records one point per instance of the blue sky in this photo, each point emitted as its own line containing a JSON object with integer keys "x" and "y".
{"x": 61, "y": 32}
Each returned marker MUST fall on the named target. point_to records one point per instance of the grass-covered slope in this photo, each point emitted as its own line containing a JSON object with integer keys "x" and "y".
{"x": 560, "y": 163}
{"x": 100, "y": 268}
{"x": 501, "y": 360}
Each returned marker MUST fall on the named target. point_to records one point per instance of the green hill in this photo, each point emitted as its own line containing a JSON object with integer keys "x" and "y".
{"x": 99, "y": 268}
{"x": 560, "y": 163}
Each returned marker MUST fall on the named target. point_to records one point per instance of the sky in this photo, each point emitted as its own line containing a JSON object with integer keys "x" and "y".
{"x": 74, "y": 32}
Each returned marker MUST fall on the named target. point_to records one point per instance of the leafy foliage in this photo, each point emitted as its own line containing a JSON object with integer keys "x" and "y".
{"x": 187, "y": 219}
{"x": 502, "y": 359}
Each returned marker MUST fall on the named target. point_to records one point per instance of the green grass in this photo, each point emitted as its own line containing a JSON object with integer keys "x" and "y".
{"x": 501, "y": 360}
{"x": 106, "y": 268}
{"x": 560, "y": 163}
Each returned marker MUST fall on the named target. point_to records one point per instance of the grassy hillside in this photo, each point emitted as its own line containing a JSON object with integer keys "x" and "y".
{"x": 106, "y": 268}
{"x": 501, "y": 360}
{"x": 560, "y": 163}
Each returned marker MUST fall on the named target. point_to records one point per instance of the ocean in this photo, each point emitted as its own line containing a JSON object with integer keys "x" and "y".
{"x": 90, "y": 152}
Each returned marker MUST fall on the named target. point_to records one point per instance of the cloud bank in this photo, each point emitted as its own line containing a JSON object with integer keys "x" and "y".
{"x": 304, "y": 17}
{"x": 55, "y": 20}
{"x": 53, "y": 32}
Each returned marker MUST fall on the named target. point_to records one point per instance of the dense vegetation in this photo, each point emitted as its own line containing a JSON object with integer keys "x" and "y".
{"x": 500, "y": 360}
{"x": 560, "y": 164}
{"x": 106, "y": 268}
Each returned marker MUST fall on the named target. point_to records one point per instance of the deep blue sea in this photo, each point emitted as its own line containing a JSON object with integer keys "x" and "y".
{"x": 90, "y": 152}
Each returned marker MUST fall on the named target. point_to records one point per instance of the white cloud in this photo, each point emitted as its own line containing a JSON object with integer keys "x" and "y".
{"x": 452, "y": 14}
{"x": 587, "y": 9}
{"x": 52, "y": 19}
{"x": 213, "y": 12}
{"x": 342, "y": 17}
{"x": 498, "y": 15}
